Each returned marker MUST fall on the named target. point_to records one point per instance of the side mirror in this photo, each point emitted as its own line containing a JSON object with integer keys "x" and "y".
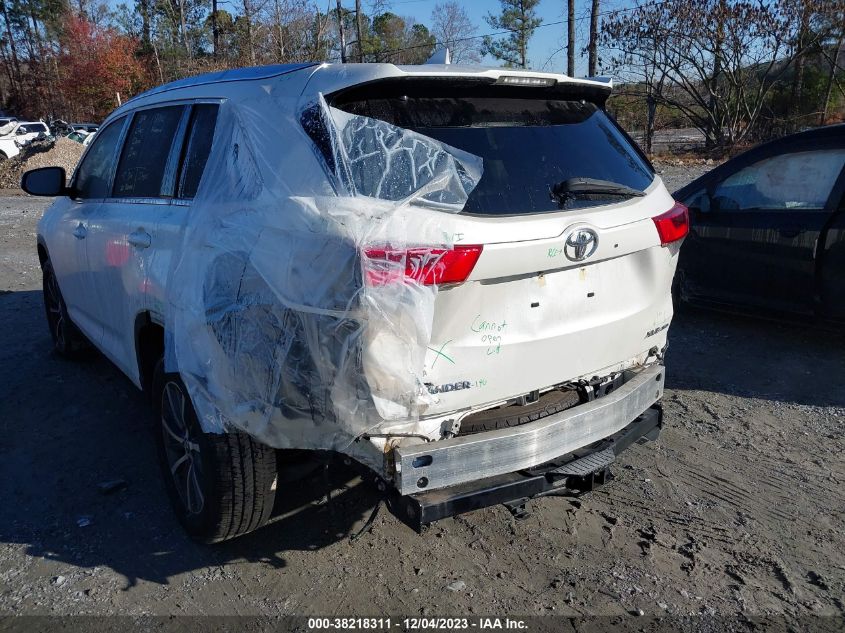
{"x": 47, "y": 181}
{"x": 701, "y": 203}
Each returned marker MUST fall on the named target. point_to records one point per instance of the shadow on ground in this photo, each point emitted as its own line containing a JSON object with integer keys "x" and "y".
{"x": 787, "y": 362}
{"x": 67, "y": 426}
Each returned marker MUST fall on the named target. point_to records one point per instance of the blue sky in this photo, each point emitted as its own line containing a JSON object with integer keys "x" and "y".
{"x": 546, "y": 49}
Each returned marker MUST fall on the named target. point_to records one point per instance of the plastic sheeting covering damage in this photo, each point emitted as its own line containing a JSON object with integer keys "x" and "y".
{"x": 293, "y": 316}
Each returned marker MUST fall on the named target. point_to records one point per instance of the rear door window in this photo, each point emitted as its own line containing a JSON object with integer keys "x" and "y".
{"x": 140, "y": 172}
{"x": 799, "y": 180}
{"x": 527, "y": 145}
{"x": 197, "y": 148}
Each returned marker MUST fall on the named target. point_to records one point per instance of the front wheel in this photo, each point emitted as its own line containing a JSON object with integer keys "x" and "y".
{"x": 67, "y": 339}
{"x": 220, "y": 485}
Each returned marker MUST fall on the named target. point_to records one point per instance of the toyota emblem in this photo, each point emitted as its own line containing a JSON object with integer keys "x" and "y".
{"x": 580, "y": 244}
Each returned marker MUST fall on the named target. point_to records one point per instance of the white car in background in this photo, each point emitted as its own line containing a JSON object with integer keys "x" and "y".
{"x": 19, "y": 135}
{"x": 458, "y": 277}
{"x": 7, "y": 123}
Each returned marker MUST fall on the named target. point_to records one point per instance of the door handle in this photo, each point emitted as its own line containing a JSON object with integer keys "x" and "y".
{"x": 80, "y": 231}
{"x": 790, "y": 232}
{"x": 140, "y": 239}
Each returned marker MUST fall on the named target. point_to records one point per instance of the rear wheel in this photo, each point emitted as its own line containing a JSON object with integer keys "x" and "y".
{"x": 220, "y": 485}
{"x": 67, "y": 339}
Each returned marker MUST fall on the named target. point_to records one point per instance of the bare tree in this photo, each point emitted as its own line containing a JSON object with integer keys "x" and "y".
{"x": 453, "y": 28}
{"x": 714, "y": 61}
{"x": 16, "y": 76}
{"x": 340, "y": 32}
{"x": 835, "y": 59}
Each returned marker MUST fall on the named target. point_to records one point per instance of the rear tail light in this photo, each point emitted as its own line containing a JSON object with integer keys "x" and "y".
{"x": 426, "y": 266}
{"x": 672, "y": 225}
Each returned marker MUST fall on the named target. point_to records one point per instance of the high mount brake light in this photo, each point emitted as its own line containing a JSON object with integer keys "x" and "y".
{"x": 672, "y": 225}
{"x": 427, "y": 266}
{"x": 522, "y": 80}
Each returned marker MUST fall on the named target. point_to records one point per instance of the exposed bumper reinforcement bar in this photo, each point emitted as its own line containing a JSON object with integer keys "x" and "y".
{"x": 427, "y": 467}
{"x": 572, "y": 474}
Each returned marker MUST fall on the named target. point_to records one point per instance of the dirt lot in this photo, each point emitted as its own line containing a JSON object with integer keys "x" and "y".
{"x": 738, "y": 508}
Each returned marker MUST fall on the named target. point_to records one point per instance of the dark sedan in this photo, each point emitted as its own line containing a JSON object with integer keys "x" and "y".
{"x": 767, "y": 229}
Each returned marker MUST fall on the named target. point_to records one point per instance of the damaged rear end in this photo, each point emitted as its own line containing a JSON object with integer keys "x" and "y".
{"x": 460, "y": 278}
{"x": 553, "y": 303}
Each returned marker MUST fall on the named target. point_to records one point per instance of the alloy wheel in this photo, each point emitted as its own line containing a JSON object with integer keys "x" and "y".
{"x": 55, "y": 311}
{"x": 181, "y": 448}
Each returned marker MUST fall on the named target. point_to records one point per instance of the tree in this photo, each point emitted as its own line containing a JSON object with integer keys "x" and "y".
{"x": 836, "y": 60}
{"x": 398, "y": 40}
{"x": 717, "y": 62}
{"x": 519, "y": 19}
{"x": 45, "y": 44}
{"x": 342, "y": 43}
{"x": 453, "y": 28}
{"x": 96, "y": 64}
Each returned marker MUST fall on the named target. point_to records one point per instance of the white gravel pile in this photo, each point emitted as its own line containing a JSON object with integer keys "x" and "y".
{"x": 61, "y": 153}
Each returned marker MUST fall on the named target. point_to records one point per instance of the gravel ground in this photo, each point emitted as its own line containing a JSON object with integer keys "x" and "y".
{"x": 736, "y": 509}
{"x": 676, "y": 175}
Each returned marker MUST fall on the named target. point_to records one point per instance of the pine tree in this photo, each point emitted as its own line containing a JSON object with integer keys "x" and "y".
{"x": 519, "y": 18}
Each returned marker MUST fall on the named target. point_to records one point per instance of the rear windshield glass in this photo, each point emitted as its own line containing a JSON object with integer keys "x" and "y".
{"x": 528, "y": 146}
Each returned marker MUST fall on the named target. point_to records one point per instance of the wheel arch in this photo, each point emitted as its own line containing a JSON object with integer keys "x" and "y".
{"x": 43, "y": 255}
{"x": 149, "y": 347}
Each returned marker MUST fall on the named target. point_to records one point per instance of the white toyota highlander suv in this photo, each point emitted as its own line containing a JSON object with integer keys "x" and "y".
{"x": 458, "y": 277}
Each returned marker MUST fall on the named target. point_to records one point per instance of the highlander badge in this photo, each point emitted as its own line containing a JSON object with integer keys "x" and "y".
{"x": 449, "y": 386}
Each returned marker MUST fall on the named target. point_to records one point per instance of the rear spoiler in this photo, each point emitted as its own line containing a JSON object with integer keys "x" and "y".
{"x": 596, "y": 91}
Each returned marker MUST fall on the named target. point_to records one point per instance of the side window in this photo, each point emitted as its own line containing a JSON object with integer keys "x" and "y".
{"x": 199, "y": 138}
{"x": 141, "y": 168}
{"x": 92, "y": 175}
{"x": 801, "y": 180}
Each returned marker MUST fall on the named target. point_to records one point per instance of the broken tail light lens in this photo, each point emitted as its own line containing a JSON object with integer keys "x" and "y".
{"x": 672, "y": 225}
{"x": 427, "y": 266}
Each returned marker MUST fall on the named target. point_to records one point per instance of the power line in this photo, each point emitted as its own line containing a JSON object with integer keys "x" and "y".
{"x": 509, "y": 31}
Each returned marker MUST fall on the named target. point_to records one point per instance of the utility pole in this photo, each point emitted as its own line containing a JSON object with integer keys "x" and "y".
{"x": 593, "y": 45}
{"x": 570, "y": 50}
{"x": 360, "y": 30}
{"x": 215, "y": 31}
{"x": 340, "y": 30}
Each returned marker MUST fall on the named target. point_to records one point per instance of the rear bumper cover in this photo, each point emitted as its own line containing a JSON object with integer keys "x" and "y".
{"x": 571, "y": 475}
{"x": 434, "y": 465}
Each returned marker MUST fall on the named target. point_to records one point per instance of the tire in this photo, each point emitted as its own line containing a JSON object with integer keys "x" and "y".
{"x": 220, "y": 485}
{"x": 549, "y": 403}
{"x": 68, "y": 341}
